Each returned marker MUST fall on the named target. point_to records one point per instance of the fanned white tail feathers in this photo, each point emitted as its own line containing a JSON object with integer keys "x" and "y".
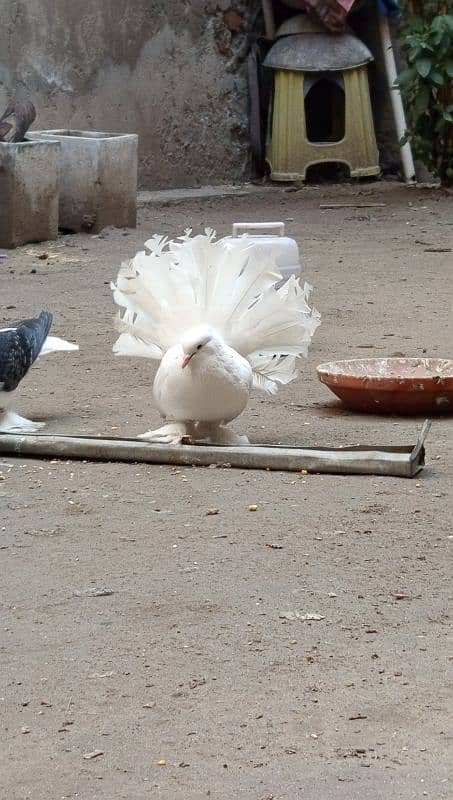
{"x": 173, "y": 286}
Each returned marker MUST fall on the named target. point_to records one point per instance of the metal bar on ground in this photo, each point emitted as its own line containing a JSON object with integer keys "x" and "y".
{"x": 404, "y": 461}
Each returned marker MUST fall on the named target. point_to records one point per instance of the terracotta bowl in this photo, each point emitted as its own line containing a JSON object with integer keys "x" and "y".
{"x": 392, "y": 385}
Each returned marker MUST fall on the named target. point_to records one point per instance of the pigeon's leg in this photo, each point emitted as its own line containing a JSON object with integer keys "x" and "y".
{"x": 173, "y": 433}
{"x": 216, "y": 434}
{"x": 13, "y": 423}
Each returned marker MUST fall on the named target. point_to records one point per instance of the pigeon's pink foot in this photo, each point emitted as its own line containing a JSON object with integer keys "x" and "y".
{"x": 190, "y": 433}
{"x": 174, "y": 433}
{"x": 218, "y": 435}
{"x": 13, "y": 423}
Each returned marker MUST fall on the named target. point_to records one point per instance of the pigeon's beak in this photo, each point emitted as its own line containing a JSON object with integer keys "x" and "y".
{"x": 186, "y": 359}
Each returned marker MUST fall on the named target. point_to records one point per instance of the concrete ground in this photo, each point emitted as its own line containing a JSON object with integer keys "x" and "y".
{"x": 180, "y": 679}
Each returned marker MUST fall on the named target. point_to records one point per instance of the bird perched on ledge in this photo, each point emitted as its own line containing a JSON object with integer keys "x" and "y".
{"x": 20, "y": 346}
{"x": 215, "y": 319}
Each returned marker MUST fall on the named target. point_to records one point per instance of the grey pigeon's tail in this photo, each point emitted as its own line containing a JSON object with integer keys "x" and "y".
{"x": 20, "y": 346}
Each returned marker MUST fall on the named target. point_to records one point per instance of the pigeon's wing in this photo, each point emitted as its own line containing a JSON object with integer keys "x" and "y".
{"x": 15, "y": 359}
{"x": 35, "y": 332}
{"x": 20, "y": 347}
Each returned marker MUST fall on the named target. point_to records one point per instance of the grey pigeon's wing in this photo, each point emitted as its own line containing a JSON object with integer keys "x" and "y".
{"x": 20, "y": 347}
{"x": 35, "y": 332}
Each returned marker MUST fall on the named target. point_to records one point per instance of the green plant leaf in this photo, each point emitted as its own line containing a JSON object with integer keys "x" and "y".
{"x": 442, "y": 23}
{"x": 438, "y": 24}
{"x": 437, "y": 78}
{"x": 427, "y": 44}
{"x": 421, "y": 101}
{"x": 405, "y": 77}
{"x": 423, "y": 66}
{"x": 438, "y": 38}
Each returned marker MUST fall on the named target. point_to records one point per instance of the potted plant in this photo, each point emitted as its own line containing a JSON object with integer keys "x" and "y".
{"x": 427, "y": 85}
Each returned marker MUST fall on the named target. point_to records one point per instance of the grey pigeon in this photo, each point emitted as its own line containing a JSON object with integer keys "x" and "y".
{"x": 20, "y": 346}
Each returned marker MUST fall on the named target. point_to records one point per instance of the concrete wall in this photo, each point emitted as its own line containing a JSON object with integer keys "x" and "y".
{"x": 172, "y": 71}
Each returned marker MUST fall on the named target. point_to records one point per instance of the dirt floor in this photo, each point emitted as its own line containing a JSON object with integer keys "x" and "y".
{"x": 181, "y": 680}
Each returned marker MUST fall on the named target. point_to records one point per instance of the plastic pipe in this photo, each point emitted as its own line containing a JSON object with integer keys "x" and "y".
{"x": 395, "y": 96}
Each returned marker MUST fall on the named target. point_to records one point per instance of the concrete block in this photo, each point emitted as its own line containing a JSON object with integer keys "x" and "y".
{"x": 28, "y": 192}
{"x": 98, "y": 179}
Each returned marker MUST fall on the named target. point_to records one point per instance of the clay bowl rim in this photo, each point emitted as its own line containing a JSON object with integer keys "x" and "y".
{"x": 394, "y": 382}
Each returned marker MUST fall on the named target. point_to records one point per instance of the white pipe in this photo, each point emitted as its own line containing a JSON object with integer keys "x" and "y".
{"x": 395, "y": 96}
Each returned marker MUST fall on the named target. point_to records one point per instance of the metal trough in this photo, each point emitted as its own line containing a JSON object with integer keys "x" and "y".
{"x": 403, "y": 461}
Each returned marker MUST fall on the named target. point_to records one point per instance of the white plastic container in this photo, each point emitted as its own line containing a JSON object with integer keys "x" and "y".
{"x": 281, "y": 247}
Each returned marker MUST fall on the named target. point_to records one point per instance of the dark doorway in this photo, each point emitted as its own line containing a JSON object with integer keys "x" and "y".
{"x": 325, "y": 107}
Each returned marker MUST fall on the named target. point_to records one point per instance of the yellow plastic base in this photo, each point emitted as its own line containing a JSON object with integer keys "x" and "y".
{"x": 289, "y": 153}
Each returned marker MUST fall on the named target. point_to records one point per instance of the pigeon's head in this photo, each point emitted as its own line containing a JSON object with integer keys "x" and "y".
{"x": 198, "y": 340}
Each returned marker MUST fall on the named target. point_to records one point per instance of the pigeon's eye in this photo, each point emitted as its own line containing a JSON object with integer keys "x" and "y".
{"x": 198, "y": 346}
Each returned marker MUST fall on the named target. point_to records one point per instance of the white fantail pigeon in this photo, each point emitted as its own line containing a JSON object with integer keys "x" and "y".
{"x": 215, "y": 319}
{"x": 20, "y": 346}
